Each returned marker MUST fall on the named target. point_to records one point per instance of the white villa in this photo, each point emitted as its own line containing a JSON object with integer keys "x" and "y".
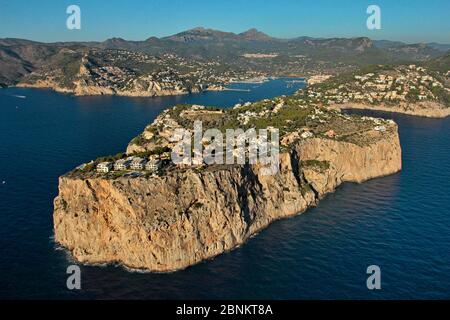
{"x": 307, "y": 134}
{"x": 153, "y": 165}
{"x": 122, "y": 164}
{"x": 137, "y": 163}
{"x": 380, "y": 128}
{"x": 104, "y": 167}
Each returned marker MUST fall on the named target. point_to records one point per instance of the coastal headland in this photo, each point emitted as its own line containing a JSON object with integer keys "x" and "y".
{"x": 181, "y": 215}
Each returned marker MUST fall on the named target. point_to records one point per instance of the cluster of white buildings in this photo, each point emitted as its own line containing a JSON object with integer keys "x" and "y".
{"x": 398, "y": 84}
{"x": 173, "y": 72}
{"x": 153, "y": 164}
{"x": 379, "y": 123}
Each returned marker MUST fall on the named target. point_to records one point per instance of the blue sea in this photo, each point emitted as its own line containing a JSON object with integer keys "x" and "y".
{"x": 400, "y": 223}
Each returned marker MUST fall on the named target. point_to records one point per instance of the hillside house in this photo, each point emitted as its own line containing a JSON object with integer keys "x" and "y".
{"x": 122, "y": 164}
{"x": 153, "y": 165}
{"x": 104, "y": 167}
{"x": 137, "y": 163}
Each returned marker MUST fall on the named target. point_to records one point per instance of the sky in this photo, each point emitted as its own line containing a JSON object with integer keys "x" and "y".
{"x": 410, "y": 21}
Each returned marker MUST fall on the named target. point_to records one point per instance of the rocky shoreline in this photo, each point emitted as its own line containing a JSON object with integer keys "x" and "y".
{"x": 97, "y": 91}
{"x": 422, "y": 109}
{"x": 170, "y": 222}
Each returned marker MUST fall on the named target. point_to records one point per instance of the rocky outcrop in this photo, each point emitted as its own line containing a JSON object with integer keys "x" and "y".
{"x": 185, "y": 216}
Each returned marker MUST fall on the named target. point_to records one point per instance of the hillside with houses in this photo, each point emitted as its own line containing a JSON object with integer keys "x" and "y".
{"x": 149, "y": 154}
{"x": 413, "y": 89}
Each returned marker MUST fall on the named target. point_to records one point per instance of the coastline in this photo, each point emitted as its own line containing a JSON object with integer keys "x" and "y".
{"x": 427, "y": 109}
{"x": 99, "y": 91}
{"x": 424, "y": 109}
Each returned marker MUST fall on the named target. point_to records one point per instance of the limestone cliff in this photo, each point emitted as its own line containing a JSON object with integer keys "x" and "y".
{"x": 178, "y": 219}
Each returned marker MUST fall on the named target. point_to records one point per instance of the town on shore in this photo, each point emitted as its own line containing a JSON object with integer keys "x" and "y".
{"x": 409, "y": 89}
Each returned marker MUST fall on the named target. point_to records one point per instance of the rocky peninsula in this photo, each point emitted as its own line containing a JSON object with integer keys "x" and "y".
{"x": 183, "y": 215}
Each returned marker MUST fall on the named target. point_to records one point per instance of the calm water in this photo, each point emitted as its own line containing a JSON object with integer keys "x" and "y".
{"x": 400, "y": 222}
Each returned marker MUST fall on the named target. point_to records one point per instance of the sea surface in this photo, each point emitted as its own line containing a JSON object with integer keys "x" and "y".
{"x": 400, "y": 223}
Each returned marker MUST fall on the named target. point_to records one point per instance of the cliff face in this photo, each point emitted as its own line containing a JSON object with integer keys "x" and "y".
{"x": 179, "y": 219}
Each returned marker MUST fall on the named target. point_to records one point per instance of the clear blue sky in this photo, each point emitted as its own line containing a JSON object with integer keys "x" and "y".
{"x": 45, "y": 20}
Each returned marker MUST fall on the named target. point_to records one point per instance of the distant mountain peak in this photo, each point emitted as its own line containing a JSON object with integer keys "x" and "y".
{"x": 115, "y": 40}
{"x": 207, "y": 34}
{"x": 199, "y": 29}
{"x": 254, "y": 34}
{"x": 201, "y": 34}
{"x": 152, "y": 39}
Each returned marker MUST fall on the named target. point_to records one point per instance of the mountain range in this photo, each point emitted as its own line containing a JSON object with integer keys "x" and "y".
{"x": 19, "y": 58}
